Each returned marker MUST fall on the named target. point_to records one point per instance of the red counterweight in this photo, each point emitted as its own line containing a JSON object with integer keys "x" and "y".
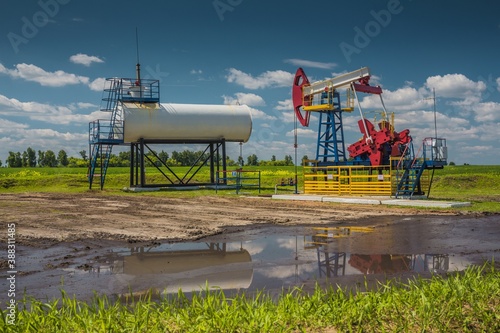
{"x": 378, "y": 144}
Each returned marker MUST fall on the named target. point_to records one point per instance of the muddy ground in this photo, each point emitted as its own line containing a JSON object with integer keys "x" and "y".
{"x": 66, "y": 239}
{"x": 43, "y": 219}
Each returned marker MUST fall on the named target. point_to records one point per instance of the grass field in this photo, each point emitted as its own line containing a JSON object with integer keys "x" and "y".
{"x": 477, "y": 184}
{"x": 458, "y": 302}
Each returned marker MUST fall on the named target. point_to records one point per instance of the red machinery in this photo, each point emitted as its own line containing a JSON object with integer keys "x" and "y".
{"x": 376, "y": 144}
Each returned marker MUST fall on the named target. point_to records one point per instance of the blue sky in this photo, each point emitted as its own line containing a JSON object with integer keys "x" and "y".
{"x": 56, "y": 53}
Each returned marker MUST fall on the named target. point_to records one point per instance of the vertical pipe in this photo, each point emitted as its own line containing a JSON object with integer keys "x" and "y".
{"x": 131, "y": 164}
{"x": 368, "y": 136}
{"x": 435, "y": 120}
{"x": 295, "y": 146}
{"x": 102, "y": 170}
{"x": 212, "y": 169}
{"x": 136, "y": 162}
{"x": 223, "y": 144}
{"x": 143, "y": 171}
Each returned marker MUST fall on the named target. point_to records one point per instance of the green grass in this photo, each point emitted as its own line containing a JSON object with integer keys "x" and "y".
{"x": 457, "y": 302}
{"x": 477, "y": 184}
{"x": 75, "y": 179}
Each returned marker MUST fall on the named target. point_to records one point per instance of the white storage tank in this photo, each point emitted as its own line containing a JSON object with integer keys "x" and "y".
{"x": 190, "y": 122}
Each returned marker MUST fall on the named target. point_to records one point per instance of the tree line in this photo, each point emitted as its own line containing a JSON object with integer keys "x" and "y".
{"x": 48, "y": 158}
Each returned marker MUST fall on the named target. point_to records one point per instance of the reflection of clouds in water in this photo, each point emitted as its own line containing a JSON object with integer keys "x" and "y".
{"x": 119, "y": 283}
{"x": 251, "y": 246}
{"x": 283, "y": 272}
{"x": 290, "y": 243}
{"x": 297, "y": 244}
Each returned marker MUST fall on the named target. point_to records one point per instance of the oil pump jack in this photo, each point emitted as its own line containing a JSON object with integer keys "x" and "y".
{"x": 378, "y": 147}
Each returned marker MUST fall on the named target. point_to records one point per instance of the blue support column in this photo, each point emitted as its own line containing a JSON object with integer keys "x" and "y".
{"x": 331, "y": 146}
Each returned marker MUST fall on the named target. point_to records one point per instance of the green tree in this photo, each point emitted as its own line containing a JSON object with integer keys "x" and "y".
{"x": 172, "y": 162}
{"x": 288, "y": 160}
{"x": 24, "y": 159}
{"x": 75, "y": 162}
{"x": 163, "y": 155}
{"x": 252, "y": 160}
{"x": 241, "y": 162}
{"x": 62, "y": 158}
{"x": 273, "y": 158}
{"x": 50, "y": 159}
{"x": 41, "y": 158}
{"x": 123, "y": 158}
{"x": 31, "y": 154}
{"x": 14, "y": 160}
{"x": 230, "y": 162}
{"x": 188, "y": 157}
{"x": 83, "y": 154}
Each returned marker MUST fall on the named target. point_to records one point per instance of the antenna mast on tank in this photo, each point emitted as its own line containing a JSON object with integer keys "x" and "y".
{"x": 138, "y": 65}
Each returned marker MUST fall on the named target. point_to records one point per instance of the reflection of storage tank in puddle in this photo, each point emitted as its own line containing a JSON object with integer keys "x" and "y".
{"x": 190, "y": 270}
{"x": 186, "y": 122}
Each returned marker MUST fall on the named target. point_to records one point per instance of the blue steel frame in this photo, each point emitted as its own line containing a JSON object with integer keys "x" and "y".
{"x": 331, "y": 147}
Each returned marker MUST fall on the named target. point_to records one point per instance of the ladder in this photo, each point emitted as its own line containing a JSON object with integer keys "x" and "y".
{"x": 431, "y": 155}
{"x": 104, "y": 134}
{"x": 409, "y": 170}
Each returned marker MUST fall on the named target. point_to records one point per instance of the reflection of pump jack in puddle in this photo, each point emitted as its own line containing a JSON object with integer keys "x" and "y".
{"x": 330, "y": 263}
{"x": 333, "y": 263}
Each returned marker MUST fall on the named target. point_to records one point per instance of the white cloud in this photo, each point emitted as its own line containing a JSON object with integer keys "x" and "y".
{"x": 267, "y": 79}
{"x": 402, "y": 99}
{"x": 33, "y": 73}
{"x": 17, "y": 137}
{"x": 303, "y": 132}
{"x": 244, "y": 98}
{"x": 487, "y": 111}
{"x": 309, "y": 63}
{"x": 258, "y": 114}
{"x": 8, "y": 126}
{"x": 82, "y": 105}
{"x": 287, "y": 105}
{"x": 196, "y": 71}
{"x": 54, "y": 114}
{"x": 84, "y": 59}
{"x": 455, "y": 86}
{"x": 97, "y": 84}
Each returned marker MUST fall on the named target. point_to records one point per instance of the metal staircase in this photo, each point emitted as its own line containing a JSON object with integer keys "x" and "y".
{"x": 408, "y": 179}
{"x": 104, "y": 134}
{"x": 431, "y": 155}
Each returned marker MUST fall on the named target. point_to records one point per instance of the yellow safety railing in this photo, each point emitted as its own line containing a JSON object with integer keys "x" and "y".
{"x": 318, "y": 102}
{"x": 321, "y": 102}
{"x": 348, "y": 180}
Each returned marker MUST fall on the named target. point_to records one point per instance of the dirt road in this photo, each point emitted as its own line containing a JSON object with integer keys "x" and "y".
{"x": 46, "y": 218}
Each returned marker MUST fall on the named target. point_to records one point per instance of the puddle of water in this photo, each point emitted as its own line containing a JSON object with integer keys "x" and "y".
{"x": 264, "y": 259}
{"x": 267, "y": 261}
